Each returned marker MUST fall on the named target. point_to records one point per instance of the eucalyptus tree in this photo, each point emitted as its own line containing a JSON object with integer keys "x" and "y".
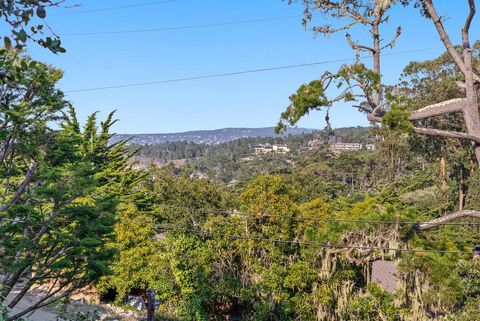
{"x": 363, "y": 87}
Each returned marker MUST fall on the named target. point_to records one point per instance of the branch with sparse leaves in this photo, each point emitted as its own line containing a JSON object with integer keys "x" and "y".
{"x": 19, "y": 14}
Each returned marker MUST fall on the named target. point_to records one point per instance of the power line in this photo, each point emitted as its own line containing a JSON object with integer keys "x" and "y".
{"x": 112, "y": 8}
{"x": 298, "y": 242}
{"x": 253, "y": 215}
{"x": 301, "y": 218}
{"x": 224, "y": 213}
{"x": 318, "y": 244}
{"x": 310, "y": 243}
{"x": 237, "y": 72}
{"x": 209, "y": 25}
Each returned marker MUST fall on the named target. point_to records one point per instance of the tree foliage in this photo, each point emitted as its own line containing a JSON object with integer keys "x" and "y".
{"x": 60, "y": 188}
{"x": 20, "y": 17}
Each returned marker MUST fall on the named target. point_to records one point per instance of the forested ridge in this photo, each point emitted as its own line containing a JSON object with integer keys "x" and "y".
{"x": 384, "y": 234}
{"x": 243, "y": 146}
{"x": 216, "y": 136}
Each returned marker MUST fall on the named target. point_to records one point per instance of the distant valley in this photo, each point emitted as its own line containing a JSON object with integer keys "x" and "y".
{"x": 209, "y": 137}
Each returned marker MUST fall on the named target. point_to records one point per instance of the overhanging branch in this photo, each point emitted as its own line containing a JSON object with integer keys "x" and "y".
{"x": 446, "y": 133}
{"x": 448, "y": 106}
{"x": 444, "y": 36}
{"x": 448, "y": 218}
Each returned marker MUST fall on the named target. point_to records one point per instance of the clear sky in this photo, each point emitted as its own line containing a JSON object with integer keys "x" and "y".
{"x": 249, "y": 100}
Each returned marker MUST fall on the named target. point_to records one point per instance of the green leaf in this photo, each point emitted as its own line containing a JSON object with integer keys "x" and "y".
{"x": 7, "y": 42}
{"x": 22, "y": 35}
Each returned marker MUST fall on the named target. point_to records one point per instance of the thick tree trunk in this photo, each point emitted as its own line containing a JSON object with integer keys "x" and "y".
{"x": 470, "y": 111}
{"x": 469, "y": 107}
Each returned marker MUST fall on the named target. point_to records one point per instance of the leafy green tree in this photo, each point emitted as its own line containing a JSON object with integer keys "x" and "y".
{"x": 29, "y": 101}
{"x": 157, "y": 245}
{"x": 60, "y": 189}
{"x": 377, "y": 305}
{"x": 469, "y": 272}
{"x": 183, "y": 201}
{"x": 137, "y": 262}
{"x": 430, "y": 82}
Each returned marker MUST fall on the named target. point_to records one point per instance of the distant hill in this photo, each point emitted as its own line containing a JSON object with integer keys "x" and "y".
{"x": 209, "y": 137}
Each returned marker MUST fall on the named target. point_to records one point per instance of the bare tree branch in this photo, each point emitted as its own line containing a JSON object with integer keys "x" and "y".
{"x": 356, "y": 46}
{"x": 394, "y": 40}
{"x": 446, "y": 133}
{"x": 38, "y": 275}
{"x": 437, "y": 20}
{"x": 47, "y": 300}
{"x": 28, "y": 177}
{"x": 471, "y": 14}
{"x": 448, "y": 218}
{"x": 448, "y": 106}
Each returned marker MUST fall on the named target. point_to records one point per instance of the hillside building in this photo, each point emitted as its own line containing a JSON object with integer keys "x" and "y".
{"x": 342, "y": 147}
{"x": 270, "y": 149}
{"x": 370, "y": 147}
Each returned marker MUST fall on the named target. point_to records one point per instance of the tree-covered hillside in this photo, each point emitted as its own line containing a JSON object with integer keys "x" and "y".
{"x": 236, "y": 160}
{"x": 244, "y": 146}
{"x": 210, "y": 137}
{"x": 300, "y": 240}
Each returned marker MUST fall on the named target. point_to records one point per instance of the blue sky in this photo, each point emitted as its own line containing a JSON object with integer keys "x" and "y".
{"x": 250, "y": 100}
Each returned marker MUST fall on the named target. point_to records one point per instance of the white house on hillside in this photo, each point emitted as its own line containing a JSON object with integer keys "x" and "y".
{"x": 341, "y": 147}
{"x": 270, "y": 149}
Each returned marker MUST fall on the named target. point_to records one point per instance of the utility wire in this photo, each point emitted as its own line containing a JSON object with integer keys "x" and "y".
{"x": 318, "y": 244}
{"x": 253, "y": 215}
{"x": 209, "y": 25}
{"x": 311, "y": 243}
{"x": 112, "y": 8}
{"x": 299, "y": 218}
{"x": 238, "y": 72}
